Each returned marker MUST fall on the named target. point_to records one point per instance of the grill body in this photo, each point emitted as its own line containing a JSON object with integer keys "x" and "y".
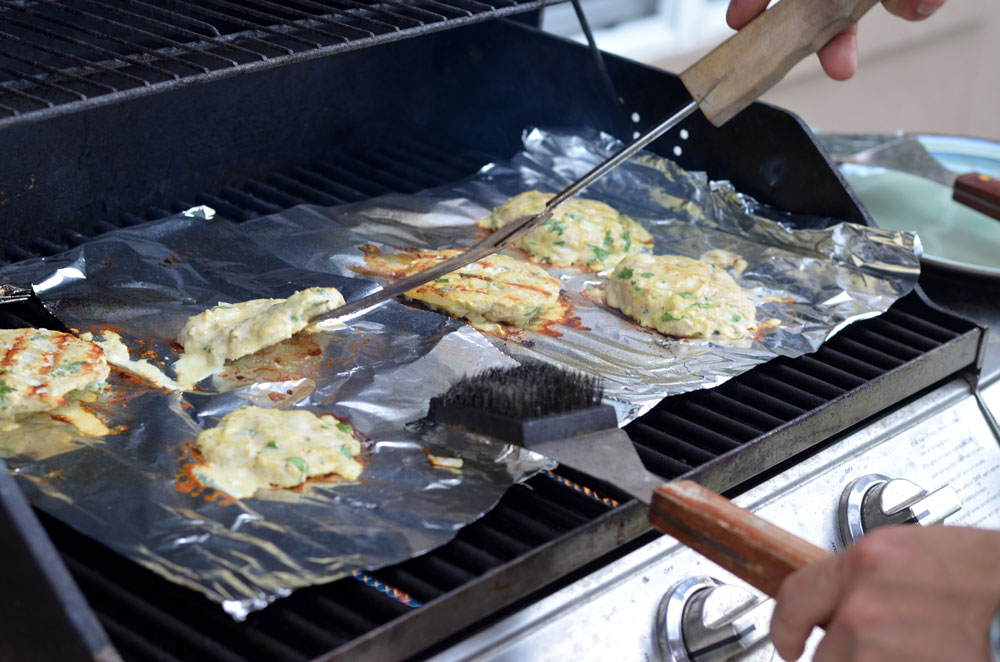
{"x": 402, "y": 115}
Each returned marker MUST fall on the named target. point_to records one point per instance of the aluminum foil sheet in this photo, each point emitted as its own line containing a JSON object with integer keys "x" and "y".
{"x": 829, "y": 274}
{"x": 132, "y": 490}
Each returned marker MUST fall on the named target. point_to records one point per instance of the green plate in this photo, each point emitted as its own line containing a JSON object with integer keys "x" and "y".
{"x": 953, "y": 235}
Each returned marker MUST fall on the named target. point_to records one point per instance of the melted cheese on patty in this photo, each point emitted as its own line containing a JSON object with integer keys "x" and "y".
{"x": 679, "y": 296}
{"x": 41, "y": 369}
{"x": 229, "y": 331}
{"x": 254, "y": 447}
{"x": 581, "y": 232}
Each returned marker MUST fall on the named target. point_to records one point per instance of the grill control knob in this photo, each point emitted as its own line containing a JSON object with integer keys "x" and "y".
{"x": 703, "y": 620}
{"x": 876, "y": 500}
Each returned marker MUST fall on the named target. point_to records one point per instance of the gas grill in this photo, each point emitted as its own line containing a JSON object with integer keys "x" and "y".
{"x": 117, "y": 112}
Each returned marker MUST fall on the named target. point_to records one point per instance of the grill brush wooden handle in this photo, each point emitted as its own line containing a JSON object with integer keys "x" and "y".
{"x": 751, "y": 548}
{"x": 746, "y": 65}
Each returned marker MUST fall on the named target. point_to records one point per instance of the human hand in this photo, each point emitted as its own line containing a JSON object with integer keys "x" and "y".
{"x": 901, "y": 593}
{"x": 840, "y": 55}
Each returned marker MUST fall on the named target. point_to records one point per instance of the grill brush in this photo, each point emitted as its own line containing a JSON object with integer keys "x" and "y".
{"x": 559, "y": 414}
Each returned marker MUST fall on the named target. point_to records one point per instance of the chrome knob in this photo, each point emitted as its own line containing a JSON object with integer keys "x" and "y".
{"x": 875, "y": 500}
{"x": 703, "y": 620}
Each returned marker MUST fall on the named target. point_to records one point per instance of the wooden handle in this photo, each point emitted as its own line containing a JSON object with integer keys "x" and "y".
{"x": 746, "y": 65}
{"x": 751, "y": 548}
{"x": 980, "y": 192}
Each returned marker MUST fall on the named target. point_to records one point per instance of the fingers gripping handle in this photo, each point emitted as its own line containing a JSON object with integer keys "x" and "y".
{"x": 751, "y": 548}
{"x": 746, "y": 65}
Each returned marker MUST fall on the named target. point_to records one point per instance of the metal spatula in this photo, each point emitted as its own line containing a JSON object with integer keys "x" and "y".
{"x": 21, "y": 307}
{"x": 555, "y": 412}
{"x": 722, "y": 83}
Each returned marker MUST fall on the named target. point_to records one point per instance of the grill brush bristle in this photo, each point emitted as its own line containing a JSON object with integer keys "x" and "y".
{"x": 528, "y": 390}
{"x": 527, "y": 403}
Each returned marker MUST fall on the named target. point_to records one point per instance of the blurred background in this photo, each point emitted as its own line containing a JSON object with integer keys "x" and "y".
{"x": 938, "y": 75}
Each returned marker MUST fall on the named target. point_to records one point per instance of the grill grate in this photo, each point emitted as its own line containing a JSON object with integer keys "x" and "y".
{"x": 149, "y": 618}
{"x": 60, "y": 55}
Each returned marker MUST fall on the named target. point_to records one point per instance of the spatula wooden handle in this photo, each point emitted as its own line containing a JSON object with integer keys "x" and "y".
{"x": 746, "y": 65}
{"x": 751, "y": 548}
{"x": 980, "y": 192}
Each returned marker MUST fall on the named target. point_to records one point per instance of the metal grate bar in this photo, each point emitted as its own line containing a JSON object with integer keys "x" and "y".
{"x": 307, "y": 17}
{"x": 719, "y": 401}
{"x": 248, "y": 24}
{"x": 406, "y": 581}
{"x": 249, "y": 201}
{"x": 490, "y": 537}
{"x": 413, "y": 9}
{"x": 414, "y": 175}
{"x": 904, "y": 335}
{"x": 352, "y": 15}
{"x": 656, "y": 439}
{"x": 269, "y": 193}
{"x": 765, "y": 402}
{"x": 307, "y": 636}
{"x": 516, "y": 524}
{"x": 424, "y": 163}
{"x": 787, "y": 392}
{"x": 859, "y": 347}
{"x": 692, "y": 432}
{"x": 26, "y": 95}
{"x": 479, "y": 6}
{"x": 326, "y": 185}
{"x": 56, "y": 72}
{"x": 77, "y": 60}
{"x": 555, "y": 515}
{"x": 440, "y": 572}
{"x": 88, "y": 46}
{"x": 661, "y": 464}
{"x": 846, "y": 362}
{"x": 303, "y": 191}
{"x": 133, "y": 647}
{"x": 356, "y": 16}
{"x": 347, "y": 619}
{"x": 152, "y": 22}
{"x": 123, "y": 42}
{"x": 888, "y": 345}
{"x": 466, "y": 555}
{"x": 215, "y": 36}
{"x": 118, "y": 602}
{"x": 831, "y": 374}
{"x": 146, "y": 34}
{"x": 781, "y": 370}
{"x": 378, "y": 10}
{"x": 360, "y": 187}
{"x": 720, "y": 420}
{"x": 923, "y": 320}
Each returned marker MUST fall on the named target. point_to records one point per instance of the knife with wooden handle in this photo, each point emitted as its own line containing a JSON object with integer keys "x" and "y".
{"x": 722, "y": 83}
